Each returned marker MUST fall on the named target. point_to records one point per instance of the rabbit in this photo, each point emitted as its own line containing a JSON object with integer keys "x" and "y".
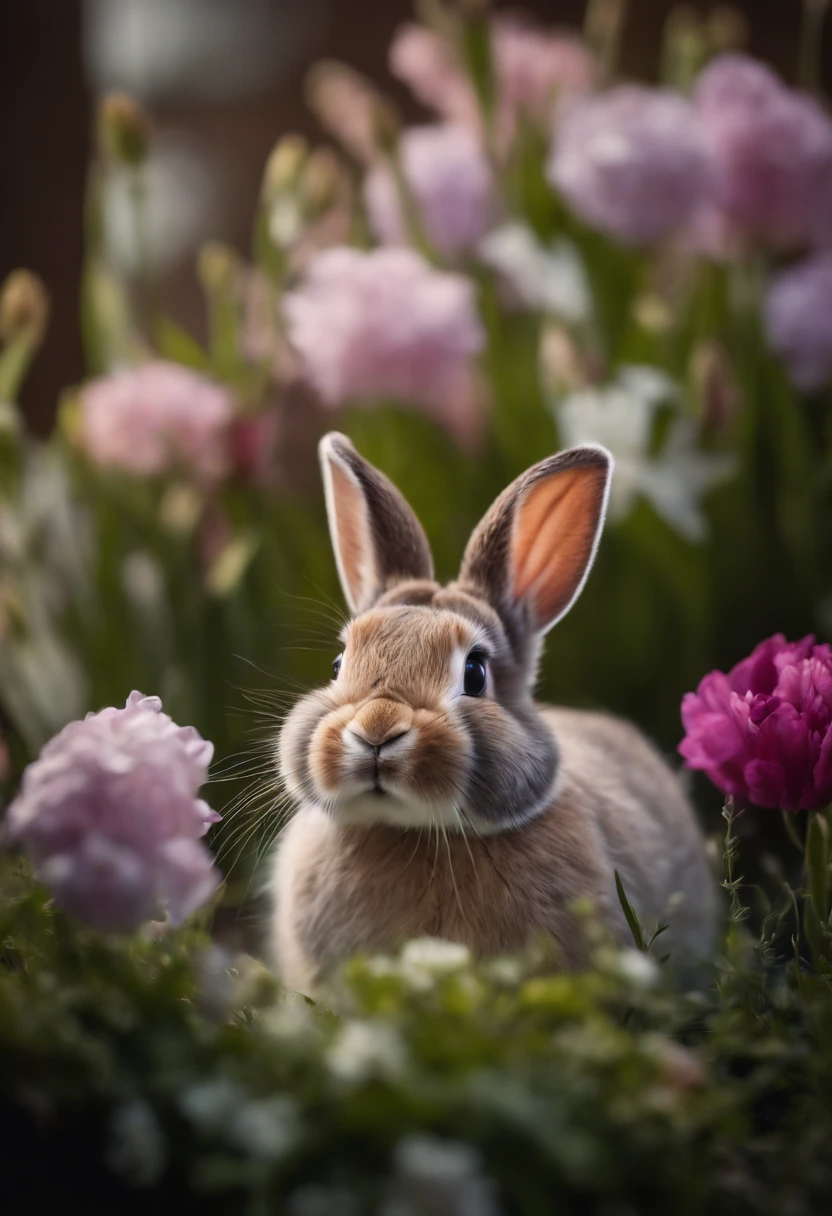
{"x": 434, "y": 796}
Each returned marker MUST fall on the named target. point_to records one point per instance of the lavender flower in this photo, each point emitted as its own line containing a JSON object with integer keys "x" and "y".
{"x": 150, "y": 418}
{"x": 798, "y": 319}
{"x": 630, "y": 162}
{"x": 109, "y": 817}
{"x": 770, "y": 149}
{"x": 450, "y": 181}
{"x": 385, "y": 324}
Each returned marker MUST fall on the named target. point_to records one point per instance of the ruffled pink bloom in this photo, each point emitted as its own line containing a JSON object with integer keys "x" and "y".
{"x": 110, "y": 819}
{"x": 798, "y": 319}
{"x": 770, "y": 150}
{"x": 763, "y": 732}
{"x": 533, "y": 67}
{"x": 386, "y": 324}
{"x": 630, "y": 162}
{"x": 151, "y": 418}
{"x": 450, "y": 181}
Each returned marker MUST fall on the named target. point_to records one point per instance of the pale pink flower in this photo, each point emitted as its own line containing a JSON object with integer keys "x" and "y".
{"x": 770, "y": 149}
{"x": 429, "y": 67}
{"x": 386, "y": 324}
{"x": 798, "y": 320}
{"x": 347, "y": 105}
{"x": 152, "y": 418}
{"x": 533, "y": 68}
{"x": 631, "y": 162}
{"x": 450, "y": 181}
{"x": 110, "y": 819}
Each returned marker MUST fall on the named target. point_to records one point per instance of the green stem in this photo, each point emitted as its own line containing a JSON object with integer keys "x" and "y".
{"x": 817, "y": 896}
{"x": 731, "y": 883}
{"x": 809, "y": 63}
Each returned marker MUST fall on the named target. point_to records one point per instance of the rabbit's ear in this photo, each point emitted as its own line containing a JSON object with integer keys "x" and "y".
{"x": 531, "y": 554}
{"x": 377, "y": 539}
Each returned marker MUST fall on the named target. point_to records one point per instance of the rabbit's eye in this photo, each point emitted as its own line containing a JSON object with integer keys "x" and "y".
{"x": 473, "y": 684}
{"x": 336, "y": 667}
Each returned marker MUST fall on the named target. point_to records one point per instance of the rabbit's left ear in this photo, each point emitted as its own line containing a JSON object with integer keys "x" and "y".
{"x": 377, "y": 539}
{"x": 531, "y": 554}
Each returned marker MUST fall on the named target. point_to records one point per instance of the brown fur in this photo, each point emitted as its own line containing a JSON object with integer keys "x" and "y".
{"x": 478, "y": 818}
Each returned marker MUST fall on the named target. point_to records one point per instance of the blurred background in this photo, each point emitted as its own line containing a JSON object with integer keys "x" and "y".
{"x": 223, "y": 79}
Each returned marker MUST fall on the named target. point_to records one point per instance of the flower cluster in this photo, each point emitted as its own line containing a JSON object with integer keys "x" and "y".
{"x": 386, "y": 324}
{"x": 763, "y": 732}
{"x": 158, "y": 415}
{"x": 110, "y": 819}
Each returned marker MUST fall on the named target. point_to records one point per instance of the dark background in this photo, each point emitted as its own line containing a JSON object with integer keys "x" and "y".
{"x": 48, "y": 85}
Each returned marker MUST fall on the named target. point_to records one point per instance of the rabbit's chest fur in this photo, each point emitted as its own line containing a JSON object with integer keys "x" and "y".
{"x": 341, "y": 890}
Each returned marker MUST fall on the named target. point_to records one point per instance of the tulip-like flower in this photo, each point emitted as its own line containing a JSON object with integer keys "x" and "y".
{"x": 798, "y": 320}
{"x": 763, "y": 732}
{"x": 386, "y": 324}
{"x": 109, "y": 817}
{"x": 155, "y": 417}
{"x": 631, "y": 163}
{"x": 449, "y": 179}
{"x": 770, "y": 150}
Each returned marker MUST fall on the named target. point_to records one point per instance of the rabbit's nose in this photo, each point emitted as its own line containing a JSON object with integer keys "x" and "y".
{"x": 381, "y": 721}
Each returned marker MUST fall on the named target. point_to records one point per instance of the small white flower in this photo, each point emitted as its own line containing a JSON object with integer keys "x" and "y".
{"x": 266, "y": 1128}
{"x": 637, "y": 968}
{"x": 136, "y": 1148}
{"x": 549, "y": 278}
{"x": 438, "y": 1178}
{"x": 209, "y": 1104}
{"x": 364, "y": 1050}
{"x": 426, "y": 959}
{"x": 620, "y": 416}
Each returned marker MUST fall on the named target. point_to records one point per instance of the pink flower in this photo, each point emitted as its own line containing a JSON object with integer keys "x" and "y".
{"x": 798, "y": 319}
{"x": 533, "y": 67}
{"x": 630, "y": 162}
{"x": 763, "y": 732}
{"x": 148, "y": 419}
{"x": 385, "y": 324}
{"x": 450, "y": 181}
{"x": 770, "y": 149}
{"x": 109, "y": 817}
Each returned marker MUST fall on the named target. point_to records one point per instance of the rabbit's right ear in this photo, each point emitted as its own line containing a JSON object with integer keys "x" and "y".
{"x": 531, "y": 554}
{"x": 377, "y": 539}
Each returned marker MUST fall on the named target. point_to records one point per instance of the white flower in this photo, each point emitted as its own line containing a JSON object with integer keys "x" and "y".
{"x": 637, "y": 968}
{"x": 438, "y": 1178}
{"x": 426, "y": 959}
{"x": 620, "y": 416}
{"x": 209, "y": 1104}
{"x": 364, "y": 1050}
{"x": 552, "y": 279}
{"x": 266, "y": 1128}
{"x": 136, "y": 1149}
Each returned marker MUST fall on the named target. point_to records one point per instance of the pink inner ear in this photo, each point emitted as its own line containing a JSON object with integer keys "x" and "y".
{"x": 352, "y": 528}
{"x": 554, "y": 534}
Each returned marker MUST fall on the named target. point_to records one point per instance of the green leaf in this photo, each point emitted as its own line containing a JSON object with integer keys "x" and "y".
{"x": 174, "y": 342}
{"x": 630, "y": 914}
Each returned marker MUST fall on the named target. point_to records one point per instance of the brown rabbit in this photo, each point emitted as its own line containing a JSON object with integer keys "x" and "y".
{"x": 434, "y": 796}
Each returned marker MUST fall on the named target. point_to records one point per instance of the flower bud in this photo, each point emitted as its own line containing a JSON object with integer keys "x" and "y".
{"x": 124, "y": 129}
{"x": 284, "y": 165}
{"x": 217, "y": 266}
{"x": 319, "y": 181}
{"x": 716, "y": 391}
{"x": 24, "y": 308}
{"x": 562, "y": 368}
{"x": 727, "y": 28}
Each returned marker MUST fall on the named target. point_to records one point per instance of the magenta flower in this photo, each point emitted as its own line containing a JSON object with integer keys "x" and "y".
{"x": 110, "y": 819}
{"x": 630, "y": 162}
{"x": 149, "y": 419}
{"x": 763, "y": 732}
{"x": 798, "y": 320}
{"x": 385, "y": 324}
{"x": 450, "y": 181}
{"x": 770, "y": 150}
